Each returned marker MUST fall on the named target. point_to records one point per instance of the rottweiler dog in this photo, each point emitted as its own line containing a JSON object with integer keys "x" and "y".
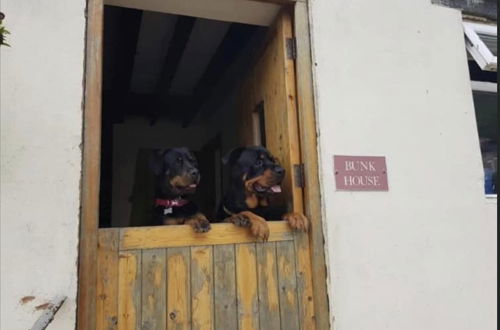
{"x": 254, "y": 176}
{"x": 176, "y": 176}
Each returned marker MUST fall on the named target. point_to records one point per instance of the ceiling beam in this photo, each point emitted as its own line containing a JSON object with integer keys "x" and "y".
{"x": 129, "y": 25}
{"x": 182, "y": 32}
{"x": 229, "y": 49}
{"x": 178, "y": 43}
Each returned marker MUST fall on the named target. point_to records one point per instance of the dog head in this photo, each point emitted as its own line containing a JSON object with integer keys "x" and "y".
{"x": 256, "y": 169}
{"x": 176, "y": 171}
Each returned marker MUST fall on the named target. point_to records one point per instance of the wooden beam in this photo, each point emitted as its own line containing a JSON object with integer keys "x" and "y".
{"x": 129, "y": 25}
{"x": 183, "y": 235}
{"x": 229, "y": 49}
{"x": 309, "y": 149}
{"x": 89, "y": 221}
{"x": 180, "y": 38}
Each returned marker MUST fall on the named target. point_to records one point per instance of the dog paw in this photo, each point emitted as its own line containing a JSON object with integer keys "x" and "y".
{"x": 240, "y": 220}
{"x": 199, "y": 223}
{"x": 260, "y": 229}
{"x": 297, "y": 221}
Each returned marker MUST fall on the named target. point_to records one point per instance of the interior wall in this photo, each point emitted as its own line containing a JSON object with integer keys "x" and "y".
{"x": 41, "y": 134}
{"x": 135, "y": 133}
{"x": 391, "y": 80}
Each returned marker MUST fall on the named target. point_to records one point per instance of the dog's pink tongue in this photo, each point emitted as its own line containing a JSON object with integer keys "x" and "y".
{"x": 192, "y": 185}
{"x": 276, "y": 189}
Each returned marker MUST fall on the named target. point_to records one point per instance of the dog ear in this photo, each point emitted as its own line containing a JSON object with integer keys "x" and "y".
{"x": 232, "y": 156}
{"x": 156, "y": 163}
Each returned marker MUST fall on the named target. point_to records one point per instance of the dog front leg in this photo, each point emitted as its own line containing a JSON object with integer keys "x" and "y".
{"x": 258, "y": 225}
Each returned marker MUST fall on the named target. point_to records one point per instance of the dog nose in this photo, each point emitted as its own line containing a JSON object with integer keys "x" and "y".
{"x": 279, "y": 170}
{"x": 194, "y": 172}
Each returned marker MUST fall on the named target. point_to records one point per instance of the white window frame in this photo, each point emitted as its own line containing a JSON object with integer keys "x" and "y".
{"x": 488, "y": 87}
{"x": 483, "y": 56}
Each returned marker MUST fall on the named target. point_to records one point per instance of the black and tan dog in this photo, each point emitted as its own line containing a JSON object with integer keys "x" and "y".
{"x": 176, "y": 176}
{"x": 254, "y": 177}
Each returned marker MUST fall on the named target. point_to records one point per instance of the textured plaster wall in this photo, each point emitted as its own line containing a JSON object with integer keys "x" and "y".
{"x": 41, "y": 132}
{"x": 391, "y": 80}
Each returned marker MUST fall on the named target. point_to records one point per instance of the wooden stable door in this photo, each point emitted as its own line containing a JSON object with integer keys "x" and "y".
{"x": 171, "y": 278}
{"x": 168, "y": 277}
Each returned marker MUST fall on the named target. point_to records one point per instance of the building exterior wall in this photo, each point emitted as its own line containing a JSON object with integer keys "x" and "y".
{"x": 391, "y": 80}
{"x": 41, "y": 134}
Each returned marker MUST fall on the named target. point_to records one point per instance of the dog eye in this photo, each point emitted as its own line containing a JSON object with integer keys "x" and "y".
{"x": 259, "y": 163}
{"x": 180, "y": 160}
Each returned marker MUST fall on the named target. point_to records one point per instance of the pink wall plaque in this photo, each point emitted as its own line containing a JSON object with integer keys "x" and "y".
{"x": 360, "y": 173}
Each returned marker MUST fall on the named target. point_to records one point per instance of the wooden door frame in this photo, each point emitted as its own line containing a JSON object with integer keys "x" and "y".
{"x": 89, "y": 218}
{"x": 309, "y": 153}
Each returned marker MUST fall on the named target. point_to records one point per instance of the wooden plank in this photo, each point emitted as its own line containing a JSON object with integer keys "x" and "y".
{"x": 129, "y": 290}
{"x": 202, "y": 304}
{"x": 154, "y": 289}
{"x": 312, "y": 197}
{"x": 225, "y": 312}
{"x": 246, "y": 108}
{"x": 304, "y": 282}
{"x": 246, "y": 286}
{"x": 178, "y": 236}
{"x": 178, "y": 289}
{"x": 89, "y": 221}
{"x": 107, "y": 280}
{"x": 287, "y": 279}
{"x": 269, "y": 304}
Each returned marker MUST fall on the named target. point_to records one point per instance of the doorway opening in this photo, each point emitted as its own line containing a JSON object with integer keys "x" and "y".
{"x": 169, "y": 81}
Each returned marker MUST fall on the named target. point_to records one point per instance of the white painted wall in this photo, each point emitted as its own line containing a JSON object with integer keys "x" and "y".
{"x": 41, "y": 113}
{"x": 391, "y": 80}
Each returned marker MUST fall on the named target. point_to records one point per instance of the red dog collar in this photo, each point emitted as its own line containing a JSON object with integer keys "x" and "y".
{"x": 170, "y": 202}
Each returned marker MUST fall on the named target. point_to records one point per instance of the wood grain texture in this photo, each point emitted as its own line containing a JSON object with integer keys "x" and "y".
{"x": 178, "y": 289}
{"x": 154, "y": 290}
{"x": 178, "y": 236}
{"x": 274, "y": 81}
{"x": 202, "y": 290}
{"x": 107, "y": 280}
{"x": 287, "y": 279}
{"x": 308, "y": 137}
{"x": 267, "y": 272}
{"x": 246, "y": 287}
{"x": 89, "y": 221}
{"x": 246, "y": 106}
{"x": 129, "y": 290}
{"x": 225, "y": 309}
{"x": 304, "y": 282}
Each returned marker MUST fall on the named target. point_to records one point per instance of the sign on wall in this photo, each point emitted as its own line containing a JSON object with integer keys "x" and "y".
{"x": 360, "y": 173}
